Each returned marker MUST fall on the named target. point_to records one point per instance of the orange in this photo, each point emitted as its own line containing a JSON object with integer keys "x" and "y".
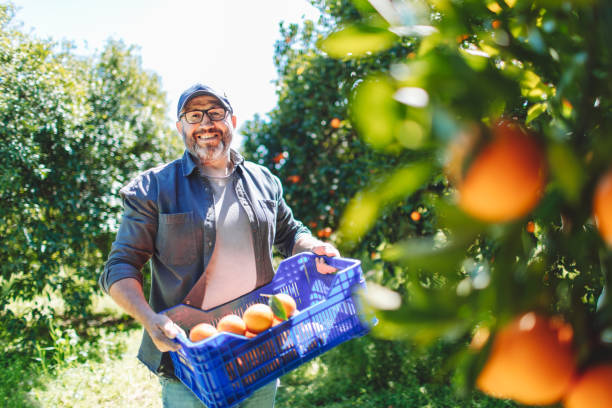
{"x": 327, "y": 231}
{"x": 249, "y": 335}
{"x": 593, "y": 389}
{"x": 531, "y": 361}
{"x": 335, "y": 123}
{"x": 507, "y": 177}
{"x": 602, "y": 207}
{"x": 201, "y": 331}
{"x": 294, "y": 178}
{"x": 288, "y": 303}
{"x": 415, "y": 216}
{"x": 258, "y": 317}
{"x": 232, "y": 323}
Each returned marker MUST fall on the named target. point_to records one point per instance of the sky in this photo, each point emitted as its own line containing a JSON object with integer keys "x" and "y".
{"x": 228, "y": 44}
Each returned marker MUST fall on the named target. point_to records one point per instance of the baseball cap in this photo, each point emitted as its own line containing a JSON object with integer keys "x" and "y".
{"x": 197, "y": 90}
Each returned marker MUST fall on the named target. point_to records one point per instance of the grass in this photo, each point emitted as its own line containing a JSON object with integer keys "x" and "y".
{"x": 108, "y": 374}
{"x": 115, "y": 378}
{"x": 113, "y": 381}
{"x": 104, "y": 374}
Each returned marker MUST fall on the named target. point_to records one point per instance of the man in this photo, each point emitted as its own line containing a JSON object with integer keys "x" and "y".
{"x": 208, "y": 222}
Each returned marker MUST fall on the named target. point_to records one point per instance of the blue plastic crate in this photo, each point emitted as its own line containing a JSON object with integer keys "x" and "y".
{"x": 227, "y": 368}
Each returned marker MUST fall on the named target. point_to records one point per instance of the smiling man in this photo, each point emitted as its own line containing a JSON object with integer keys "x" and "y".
{"x": 208, "y": 223}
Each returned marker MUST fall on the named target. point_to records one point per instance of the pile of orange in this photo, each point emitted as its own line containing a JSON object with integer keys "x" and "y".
{"x": 256, "y": 318}
{"x": 532, "y": 361}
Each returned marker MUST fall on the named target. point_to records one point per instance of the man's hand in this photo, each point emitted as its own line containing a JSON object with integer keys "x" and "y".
{"x": 162, "y": 330}
{"x": 127, "y": 293}
{"x": 327, "y": 250}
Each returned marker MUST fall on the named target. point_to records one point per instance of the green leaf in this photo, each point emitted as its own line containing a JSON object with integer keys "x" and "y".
{"x": 359, "y": 216}
{"x": 426, "y": 253}
{"x": 404, "y": 182}
{"x": 362, "y": 211}
{"x": 357, "y": 41}
{"x": 374, "y": 111}
{"x": 422, "y": 325}
{"x": 277, "y": 307}
{"x": 567, "y": 171}
{"x": 535, "y": 111}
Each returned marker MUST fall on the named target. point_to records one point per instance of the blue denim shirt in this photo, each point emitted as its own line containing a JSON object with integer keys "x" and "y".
{"x": 169, "y": 219}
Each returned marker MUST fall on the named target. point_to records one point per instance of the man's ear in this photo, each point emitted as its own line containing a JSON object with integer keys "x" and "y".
{"x": 179, "y": 126}
{"x": 234, "y": 121}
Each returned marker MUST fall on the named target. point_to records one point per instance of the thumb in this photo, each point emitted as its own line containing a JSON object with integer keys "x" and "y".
{"x": 326, "y": 249}
{"x": 169, "y": 329}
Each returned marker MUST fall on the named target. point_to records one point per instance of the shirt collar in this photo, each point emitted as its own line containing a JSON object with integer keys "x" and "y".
{"x": 189, "y": 164}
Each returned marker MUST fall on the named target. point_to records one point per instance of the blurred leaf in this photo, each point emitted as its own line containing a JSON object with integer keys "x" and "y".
{"x": 363, "y": 209}
{"x": 535, "y": 111}
{"x": 359, "y": 216}
{"x": 425, "y": 322}
{"x": 374, "y": 111}
{"x": 460, "y": 226}
{"x": 357, "y": 40}
{"x": 477, "y": 59}
{"x": 411, "y": 134}
{"x": 403, "y": 182}
{"x": 426, "y": 253}
{"x": 567, "y": 170}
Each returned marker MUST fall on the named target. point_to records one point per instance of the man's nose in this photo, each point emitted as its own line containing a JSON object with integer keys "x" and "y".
{"x": 206, "y": 121}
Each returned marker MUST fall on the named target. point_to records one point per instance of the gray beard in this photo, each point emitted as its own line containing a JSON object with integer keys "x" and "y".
{"x": 206, "y": 154}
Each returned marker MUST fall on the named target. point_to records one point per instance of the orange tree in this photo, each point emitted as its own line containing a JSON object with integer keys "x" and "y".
{"x": 474, "y": 145}
{"x": 511, "y": 100}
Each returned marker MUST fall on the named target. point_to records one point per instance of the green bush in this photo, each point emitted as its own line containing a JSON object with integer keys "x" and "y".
{"x": 74, "y": 129}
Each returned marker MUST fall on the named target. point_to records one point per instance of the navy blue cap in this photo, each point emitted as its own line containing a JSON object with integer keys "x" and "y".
{"x": 197, "y": 90}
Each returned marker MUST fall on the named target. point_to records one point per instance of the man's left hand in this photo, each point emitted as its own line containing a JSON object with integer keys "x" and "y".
{"x": 327, "y": 250}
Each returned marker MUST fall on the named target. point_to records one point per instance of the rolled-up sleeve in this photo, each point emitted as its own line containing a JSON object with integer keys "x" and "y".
{"x": 288, "y": 229}
{"x": 135, "y": 240}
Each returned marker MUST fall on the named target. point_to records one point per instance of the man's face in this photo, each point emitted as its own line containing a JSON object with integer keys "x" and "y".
{"x": 209, "y": 141}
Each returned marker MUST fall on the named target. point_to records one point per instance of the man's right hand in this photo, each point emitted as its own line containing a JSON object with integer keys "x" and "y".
{"x": 127, "y": 293}
{"x": 162, "y": 330}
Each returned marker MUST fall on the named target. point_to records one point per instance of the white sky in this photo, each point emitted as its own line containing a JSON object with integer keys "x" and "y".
{"x": 235, "y": 40}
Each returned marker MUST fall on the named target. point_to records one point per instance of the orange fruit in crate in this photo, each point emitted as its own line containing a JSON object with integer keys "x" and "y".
{"x": 593, "y": 389}
{"x": 249, "y": 335}
{"x": 288, "y": 303}
{"x": 602, "y": 207}
{"x": 202, "y": 331}
{"x": 506, "y": 178}
{"x": 258, "y": 317}
{"x": 531, "y": 361}
{"x": 232, "y": 324}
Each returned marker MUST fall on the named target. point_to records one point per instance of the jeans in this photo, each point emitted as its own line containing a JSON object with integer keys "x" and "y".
{"x": 176, "y": 395}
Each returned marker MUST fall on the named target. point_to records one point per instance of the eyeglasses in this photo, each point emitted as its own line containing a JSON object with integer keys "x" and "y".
{"x": 197, "y": 116}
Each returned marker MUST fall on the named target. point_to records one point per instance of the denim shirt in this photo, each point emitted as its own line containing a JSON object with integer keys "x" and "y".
{"x": 169, "y": 219}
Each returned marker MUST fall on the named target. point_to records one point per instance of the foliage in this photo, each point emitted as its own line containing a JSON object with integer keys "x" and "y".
{"x": 543, "y": 64}
{"x": 453, "y": 69}
{"x": 74, "y": 130}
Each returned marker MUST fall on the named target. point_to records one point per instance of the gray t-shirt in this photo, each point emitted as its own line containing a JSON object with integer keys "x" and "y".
{"x": 231, "y": 272}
